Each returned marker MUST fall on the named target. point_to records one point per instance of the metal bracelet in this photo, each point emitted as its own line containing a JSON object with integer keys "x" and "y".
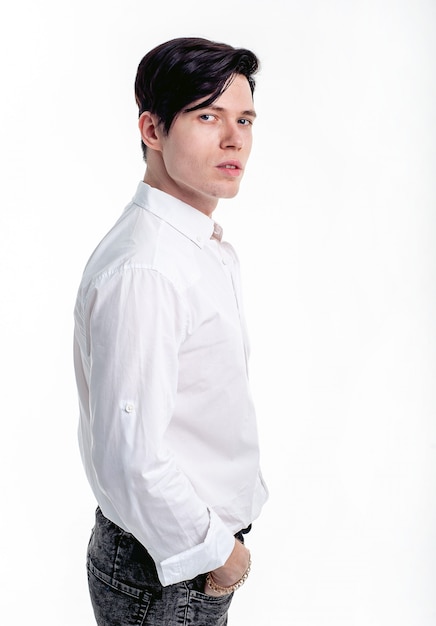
{"x": 213, "y": 585}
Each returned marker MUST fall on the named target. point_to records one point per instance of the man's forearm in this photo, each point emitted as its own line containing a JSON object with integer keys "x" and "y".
{"x": 232, "y": 571}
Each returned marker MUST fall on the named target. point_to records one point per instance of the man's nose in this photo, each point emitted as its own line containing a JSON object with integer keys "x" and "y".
{"x": 232, "y": 136}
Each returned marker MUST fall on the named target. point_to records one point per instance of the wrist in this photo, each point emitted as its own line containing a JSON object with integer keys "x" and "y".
{"x": 215, "y": 586}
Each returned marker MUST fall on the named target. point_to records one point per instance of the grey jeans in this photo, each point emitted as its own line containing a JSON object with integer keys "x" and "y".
{"x": 125, "y": 589}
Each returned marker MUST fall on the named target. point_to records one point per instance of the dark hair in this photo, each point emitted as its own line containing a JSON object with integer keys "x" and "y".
{"x": 180, "y": 71}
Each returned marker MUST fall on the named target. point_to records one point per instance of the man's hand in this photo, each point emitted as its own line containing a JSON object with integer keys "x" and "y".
{"x": 232, "y": 570}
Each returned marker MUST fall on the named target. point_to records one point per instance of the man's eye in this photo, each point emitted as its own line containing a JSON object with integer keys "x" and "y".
{"x": 206, "y": 117}
{"x": 245, "y": 122}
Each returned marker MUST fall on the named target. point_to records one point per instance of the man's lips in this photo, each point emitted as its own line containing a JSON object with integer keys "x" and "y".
{"x": 232, "y": 168}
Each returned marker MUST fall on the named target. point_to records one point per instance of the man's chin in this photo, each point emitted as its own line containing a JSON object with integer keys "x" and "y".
{"x": 229, "y": 192}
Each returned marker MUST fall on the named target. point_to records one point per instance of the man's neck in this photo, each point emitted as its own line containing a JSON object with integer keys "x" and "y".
{"x": 158, "y": 178}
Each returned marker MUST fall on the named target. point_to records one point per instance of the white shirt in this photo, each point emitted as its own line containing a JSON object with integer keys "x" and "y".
{"x": 167, "y": 427}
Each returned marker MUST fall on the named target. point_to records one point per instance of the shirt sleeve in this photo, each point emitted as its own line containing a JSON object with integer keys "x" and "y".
{"x": 136, "y": 323}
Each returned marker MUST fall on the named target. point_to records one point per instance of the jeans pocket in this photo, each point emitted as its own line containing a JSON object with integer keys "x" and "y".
{"x": 205, "y": 609}
{"x": 114, "y": 602}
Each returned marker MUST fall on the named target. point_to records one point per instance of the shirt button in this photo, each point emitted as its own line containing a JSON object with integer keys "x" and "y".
{"x": 199, "y": 238}
{"x": 129, "y": 408}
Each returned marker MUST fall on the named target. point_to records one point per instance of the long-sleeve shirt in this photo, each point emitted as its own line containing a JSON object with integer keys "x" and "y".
{"x": 167, "y": 428}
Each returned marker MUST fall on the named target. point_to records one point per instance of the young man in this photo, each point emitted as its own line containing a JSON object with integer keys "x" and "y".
{"x": 167, "y": 427}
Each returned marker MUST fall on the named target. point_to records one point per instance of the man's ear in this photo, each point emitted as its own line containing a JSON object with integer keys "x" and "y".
{"x": 150, "y": 132}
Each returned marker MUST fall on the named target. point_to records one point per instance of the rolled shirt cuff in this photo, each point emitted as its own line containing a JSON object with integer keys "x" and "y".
{"x": 204, "y": 557}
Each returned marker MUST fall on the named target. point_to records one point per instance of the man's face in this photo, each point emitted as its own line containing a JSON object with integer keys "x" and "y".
{"x": 203, "y": 157}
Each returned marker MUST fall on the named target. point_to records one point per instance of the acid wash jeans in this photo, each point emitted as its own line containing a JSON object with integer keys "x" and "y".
{"x": 125, "y": 589}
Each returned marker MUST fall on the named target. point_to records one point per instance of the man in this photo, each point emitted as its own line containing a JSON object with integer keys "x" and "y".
{"x": 167, "y": 428}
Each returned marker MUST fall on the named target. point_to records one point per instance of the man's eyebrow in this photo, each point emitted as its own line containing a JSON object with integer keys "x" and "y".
{"x": 250, "y": 113}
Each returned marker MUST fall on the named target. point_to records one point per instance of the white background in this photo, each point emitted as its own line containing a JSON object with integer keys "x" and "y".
{"x": 335, "y": 228}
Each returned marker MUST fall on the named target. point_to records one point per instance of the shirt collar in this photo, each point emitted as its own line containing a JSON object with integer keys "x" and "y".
{"x": 192, "y": 223}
